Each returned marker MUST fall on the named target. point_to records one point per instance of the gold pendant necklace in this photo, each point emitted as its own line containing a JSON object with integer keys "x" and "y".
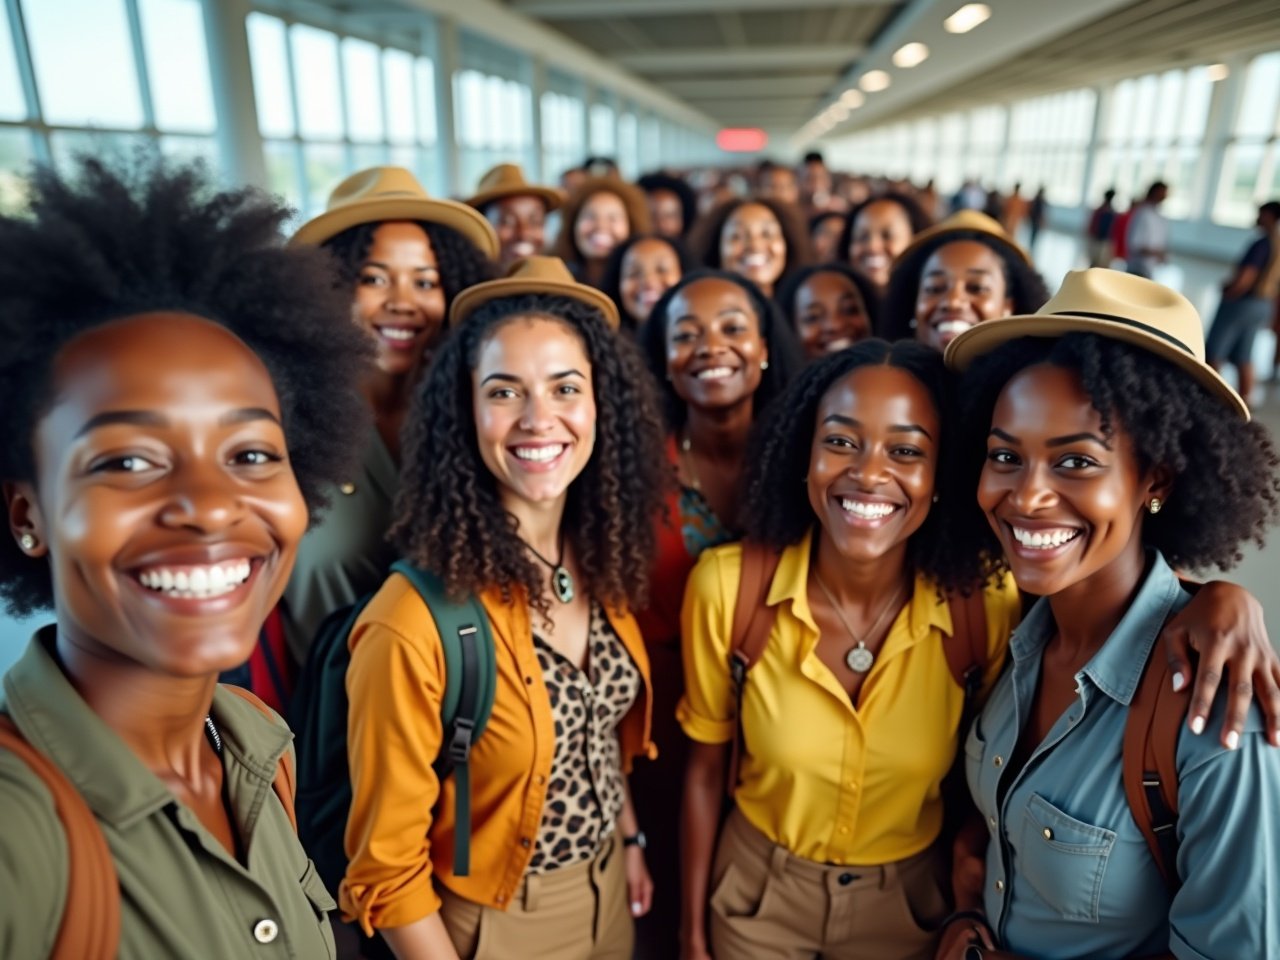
{"x": 562, "y": 584}
{"x": 859, "y": 659}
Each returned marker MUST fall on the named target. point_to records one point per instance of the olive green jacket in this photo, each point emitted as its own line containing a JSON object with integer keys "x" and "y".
{"x": 181, "y": 894}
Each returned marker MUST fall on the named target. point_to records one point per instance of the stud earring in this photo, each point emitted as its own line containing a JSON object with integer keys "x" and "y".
{"x": 935, "y": 498}
{"x": 764, "y": 364}
{"x": 1156, "y": 505}
{"x": 27, "y": 541}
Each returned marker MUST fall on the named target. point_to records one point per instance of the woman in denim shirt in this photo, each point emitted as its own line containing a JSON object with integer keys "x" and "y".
{"x": 1113, "y": 454}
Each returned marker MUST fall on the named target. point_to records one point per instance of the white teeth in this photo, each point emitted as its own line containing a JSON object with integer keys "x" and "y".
{"x": 957, "y": 327}
{"x": 402, "y": 334}
{"x": 835, "y": 346}
{"x": 875, "y": 262}
{"x": 197, "y": 582}
{"x": 715, "y": 373}
{"x": 867, "y": 511}
{"x": 755, "y": 260}
{"x": 539, "y": 454}
{"x": 1044, "y": 539}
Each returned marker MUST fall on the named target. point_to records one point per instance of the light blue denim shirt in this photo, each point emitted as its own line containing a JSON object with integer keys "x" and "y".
{"x": 1068, "y": 873}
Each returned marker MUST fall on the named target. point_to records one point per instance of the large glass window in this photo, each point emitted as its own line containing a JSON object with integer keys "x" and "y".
{"x": 563, "y": 123}
{"x": 604, "y": 133}
{"x": 1250, "y": 172}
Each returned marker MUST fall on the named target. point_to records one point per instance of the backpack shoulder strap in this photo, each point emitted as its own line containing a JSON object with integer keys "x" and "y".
{"x": 471, "y": 679}
{"x": 753, "y": 621}
{"x": 90, "y": 927}
{"x": 966, "y": 648}
{"x": 1150, "y": 762}
{"x": 285, "y": 784}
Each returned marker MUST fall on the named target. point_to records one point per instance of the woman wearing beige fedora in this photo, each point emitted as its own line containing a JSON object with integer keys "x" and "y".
{"x": 1106, "y": 453}
{"x": 405, "y": 257}
{"x": 517, "y": 210}
{"x": 955, "y": 274}
{"x": 599, "y": 215}
{"x": 533, "y": 468}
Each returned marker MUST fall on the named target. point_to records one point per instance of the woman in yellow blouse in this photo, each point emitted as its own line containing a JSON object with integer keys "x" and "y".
{"x": 533, "y": 466}
{"x": 850, "y": 717}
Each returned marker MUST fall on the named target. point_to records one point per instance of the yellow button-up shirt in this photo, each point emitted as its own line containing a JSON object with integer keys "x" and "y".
{"x": 829, "y": 781}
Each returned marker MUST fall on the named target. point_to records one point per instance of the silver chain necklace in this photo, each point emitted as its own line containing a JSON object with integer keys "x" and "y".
{"x": 561, "y": 579}
{"x": 859, "y": 659}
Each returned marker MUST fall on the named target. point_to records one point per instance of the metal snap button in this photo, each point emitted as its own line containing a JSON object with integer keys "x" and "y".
{"x": 265, "y": 931}
{"x": 347, "y": 489}
{"x": 998, "y": 761}
{"x": 999, "y": 886}
{"x": 845, "y": 879}
{"x": 1048, "y": 834}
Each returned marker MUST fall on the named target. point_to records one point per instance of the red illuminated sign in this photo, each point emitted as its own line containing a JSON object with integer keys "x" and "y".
{"x": 742, "y": 139}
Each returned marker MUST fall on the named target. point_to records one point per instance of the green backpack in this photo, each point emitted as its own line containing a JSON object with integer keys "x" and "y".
{"x": 318, "y": 715}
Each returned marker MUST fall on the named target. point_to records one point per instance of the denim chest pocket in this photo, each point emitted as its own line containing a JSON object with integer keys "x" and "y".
{"x": 979, "y": 776}
{"x": 1063, "y": 859}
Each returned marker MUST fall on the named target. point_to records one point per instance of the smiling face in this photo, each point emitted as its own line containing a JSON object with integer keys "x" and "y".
{"x": 963, "y": 283}
{"x": 714, "y": 344}
{"x": 164, "y": 496}
{"x": 1065, "y": 499}
{"x": 825, "y": 237}
{"x": 535, "y": 409}
{"x": 881, "y": 231}
{"x": 602, "y": 224}
{"x": 398, "y": 298}
{"x": 830, "y": 314}
{"x": 649, "y": 269}
{"x": 667, "y": 213}
{"x": 520, "y": 223}
{"x": 752, "y": 245}
{"x": 873, "y": 461}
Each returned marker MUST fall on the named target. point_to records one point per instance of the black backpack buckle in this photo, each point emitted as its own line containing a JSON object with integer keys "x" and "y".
{"x": 459, "y": 748}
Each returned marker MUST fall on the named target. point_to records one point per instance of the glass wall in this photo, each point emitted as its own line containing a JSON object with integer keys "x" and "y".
{"x": 563, "y": 126}
{"x": 1251, "y": 167}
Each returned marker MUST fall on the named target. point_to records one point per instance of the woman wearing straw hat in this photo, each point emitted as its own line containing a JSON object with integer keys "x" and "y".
{"x": 955, "y": 274}
{"x": 533, "y": 469}
{"x": 517, "y": 210}
{"x": 405, "y": 257}
{"x": 1107, "y": 453}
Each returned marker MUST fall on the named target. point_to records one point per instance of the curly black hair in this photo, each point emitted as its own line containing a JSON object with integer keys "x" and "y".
{"x": 461, "y": 263}
{"x": 785, "y": 356}
{"x": 653, "y": 182}
{"x": 1226, "y": 486}
{"x": 123, "y": 236}
{"x": 787, "y": 293}
{"x": 776, "y": 507}
{"x": 704, "y": 239}
{"x": 1026, "y": 288}
{"x": 611, "y": 283}
{"x": 920, "y": 219}
{"x": 448, "y": 517}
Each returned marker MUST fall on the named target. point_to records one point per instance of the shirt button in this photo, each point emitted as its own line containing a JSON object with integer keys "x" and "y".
{"x": 845, "y": 879}
{"x": 539, "y": 779}
{"x": 991, "y": 822}
{"x": 524, "y": 842}
{"x": 998, "y": 761}
{"x": 999, "y": 886}
{"x": 347, "y": 489}
{"x": 502, "y": 898}
{"x": 1048, "y": 834}
{"x": 265, "y": 931}
{"x": 844, "y": 829}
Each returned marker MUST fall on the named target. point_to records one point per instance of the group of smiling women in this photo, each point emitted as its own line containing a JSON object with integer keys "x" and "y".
{"x": 199, "y": 437}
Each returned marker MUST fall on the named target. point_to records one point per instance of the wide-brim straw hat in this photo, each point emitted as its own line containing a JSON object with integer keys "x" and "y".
{"x": 1110, "y": 304}
{"x": 547, "y": 275}
{"x": 380, "y": 194}
{"x": 965, "y": 221}
{"x": 507, "y": 180}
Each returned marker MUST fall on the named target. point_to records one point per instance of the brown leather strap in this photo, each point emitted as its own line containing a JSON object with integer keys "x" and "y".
{"x": 966, "y": 648}
{"x": 753, "y": 621}
{"x": 1150, "y": 762}
{"x": 90, "y": 927}
{"x": 285, "y": 783}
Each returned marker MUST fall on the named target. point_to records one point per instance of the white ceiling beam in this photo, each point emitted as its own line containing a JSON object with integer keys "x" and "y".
{"x": 607, "y": 9}
{"x": 797, "y": 85}
{"x": 719, "y": 59}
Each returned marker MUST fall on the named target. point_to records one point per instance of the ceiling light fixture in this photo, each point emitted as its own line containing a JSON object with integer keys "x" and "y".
{"x": 910, "y": 55}
{"x": 853, "y": 99}
{"x": 1216, "y": 72}
{"x": 874, "y": 81}
{"x": 967, "y": 17}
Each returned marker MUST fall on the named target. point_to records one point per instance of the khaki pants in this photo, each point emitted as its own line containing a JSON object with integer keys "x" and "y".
{"x": 576, "y": 913}
{"x": 768, "y": 904}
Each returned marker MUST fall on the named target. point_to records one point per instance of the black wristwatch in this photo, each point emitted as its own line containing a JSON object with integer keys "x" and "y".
{"x": 637, "y": 839}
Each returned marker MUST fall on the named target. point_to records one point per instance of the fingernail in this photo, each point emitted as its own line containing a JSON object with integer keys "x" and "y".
{"x": 1197, "y": 725}
{"x": 1179, "y": 681}
{"x": 1233, "y": 740}
{"x": 635, "y": 907}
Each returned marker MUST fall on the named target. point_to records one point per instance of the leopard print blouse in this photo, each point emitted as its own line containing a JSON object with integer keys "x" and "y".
{"x": 585, "y": 794}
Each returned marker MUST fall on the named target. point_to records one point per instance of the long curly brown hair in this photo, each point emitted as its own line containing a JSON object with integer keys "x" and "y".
{"x": 566, "y": 245}
{"x": 448, "y": 517}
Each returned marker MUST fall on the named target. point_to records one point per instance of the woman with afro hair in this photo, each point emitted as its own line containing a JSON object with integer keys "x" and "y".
{"x": 835, "y": 845}
{"x": 177, "y": 392}
{"x": 831, "y": 306}
{"x": 532, "y": 472}
{"x": 956, "y": 274}
{"x": 761, "y": 240}
{"x": 401, "y": 257}
{"x": 1106, "y": 454}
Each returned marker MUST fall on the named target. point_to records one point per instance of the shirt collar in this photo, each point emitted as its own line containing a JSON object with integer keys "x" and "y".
{"x": 114, "y": 782}
{"x": 1117, "y": 667}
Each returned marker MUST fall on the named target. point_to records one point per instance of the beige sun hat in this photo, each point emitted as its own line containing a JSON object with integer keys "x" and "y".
{"x": 532, "y": 275}
{"x": 1111, "y": 304}
{"x": 507, "y": 180}
{"x": 379, "y": 194}
{"x": 965, "y": 221}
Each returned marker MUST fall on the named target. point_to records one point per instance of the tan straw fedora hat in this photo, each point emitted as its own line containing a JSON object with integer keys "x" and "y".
{"x": 507, "y": 180}
{"x": 392, "y": 193}
{"x": 965, "y": 221}
{"x": 532, "y": 275}
{"x": 1111, "y": 304}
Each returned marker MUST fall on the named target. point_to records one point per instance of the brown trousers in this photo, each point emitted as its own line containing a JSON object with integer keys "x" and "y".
{"x": 768, "y": 904}
{"x": 575, "y": 913}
